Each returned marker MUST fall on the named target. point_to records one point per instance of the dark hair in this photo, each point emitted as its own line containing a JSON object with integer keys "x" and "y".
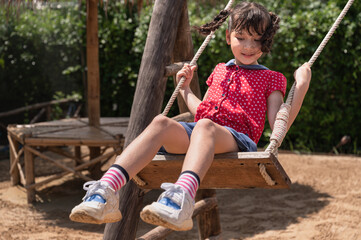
{"x": 250, "y": 16}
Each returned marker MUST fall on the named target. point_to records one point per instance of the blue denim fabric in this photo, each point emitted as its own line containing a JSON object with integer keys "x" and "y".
{"x": 245, "y": 144}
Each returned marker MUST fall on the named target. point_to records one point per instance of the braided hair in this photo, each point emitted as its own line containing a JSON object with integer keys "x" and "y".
{"x": 248, "y": 16}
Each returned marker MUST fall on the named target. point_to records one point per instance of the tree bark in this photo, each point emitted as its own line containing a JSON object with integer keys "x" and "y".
{"x": 147, "y": 104}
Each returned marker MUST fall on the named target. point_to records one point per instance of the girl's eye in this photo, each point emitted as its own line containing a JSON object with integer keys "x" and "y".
{"x": 239, "y": 38}
{"x": 257, "y": 40}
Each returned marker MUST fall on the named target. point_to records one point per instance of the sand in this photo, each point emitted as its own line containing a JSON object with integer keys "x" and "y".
{"x": 324, "y": 202}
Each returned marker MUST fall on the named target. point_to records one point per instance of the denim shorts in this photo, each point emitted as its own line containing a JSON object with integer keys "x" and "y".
{"x": 245, "y": 144}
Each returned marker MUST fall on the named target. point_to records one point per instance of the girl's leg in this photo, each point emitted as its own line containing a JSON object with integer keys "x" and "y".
{"x": 162, "y": 131}
{"x": 208, "y": 138}
{"x": 101, "y": 202}
{"x": 175, "y": 206}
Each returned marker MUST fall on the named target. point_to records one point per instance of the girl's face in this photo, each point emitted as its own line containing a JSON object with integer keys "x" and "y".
{"x": 246, "y": 47}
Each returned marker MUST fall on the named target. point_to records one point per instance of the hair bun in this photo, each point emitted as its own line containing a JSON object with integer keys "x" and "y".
{"x": 275, "y": 20}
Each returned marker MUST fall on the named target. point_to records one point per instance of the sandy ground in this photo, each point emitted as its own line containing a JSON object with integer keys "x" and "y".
{"x": 324, "y": 202}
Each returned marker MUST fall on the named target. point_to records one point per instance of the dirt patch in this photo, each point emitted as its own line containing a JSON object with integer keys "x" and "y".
{"x": 324, "y": 202}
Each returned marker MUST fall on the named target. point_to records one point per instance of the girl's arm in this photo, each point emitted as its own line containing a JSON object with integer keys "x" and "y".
{"x": 190, "y": 99}
{"x": 302, "y": 77}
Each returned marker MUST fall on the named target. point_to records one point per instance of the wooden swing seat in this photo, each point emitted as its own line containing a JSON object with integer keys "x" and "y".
{"x": 236, "y": 170}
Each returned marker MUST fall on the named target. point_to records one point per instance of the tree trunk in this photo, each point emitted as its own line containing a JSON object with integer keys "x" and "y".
{"x": 147, "y": 104}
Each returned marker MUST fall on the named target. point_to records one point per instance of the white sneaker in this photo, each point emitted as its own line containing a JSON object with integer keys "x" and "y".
{"x": 100, "y": 205}
{"x": 173, "y": 209}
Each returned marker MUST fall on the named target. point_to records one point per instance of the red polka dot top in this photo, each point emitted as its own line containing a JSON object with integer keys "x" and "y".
{"x": 237, "y": 97}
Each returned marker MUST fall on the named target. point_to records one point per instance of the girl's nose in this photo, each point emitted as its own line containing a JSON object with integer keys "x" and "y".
{"x": 249, "y": 44}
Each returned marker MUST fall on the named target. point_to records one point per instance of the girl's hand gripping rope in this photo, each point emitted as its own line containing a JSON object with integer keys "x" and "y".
{"x": 303, "y": 75}
{"x": 187, "y": 72}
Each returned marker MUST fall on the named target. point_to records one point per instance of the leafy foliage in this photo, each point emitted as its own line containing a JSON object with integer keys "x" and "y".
{"x": 43, "y": 52}
{"x": 329, "y": 110}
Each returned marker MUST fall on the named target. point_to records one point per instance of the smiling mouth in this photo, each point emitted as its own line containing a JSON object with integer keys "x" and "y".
{"x": 247, "y": 55}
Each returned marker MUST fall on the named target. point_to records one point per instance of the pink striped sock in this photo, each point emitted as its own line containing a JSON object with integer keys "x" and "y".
{"x": 189, "y": 183}
{"x": 115, "y": 177}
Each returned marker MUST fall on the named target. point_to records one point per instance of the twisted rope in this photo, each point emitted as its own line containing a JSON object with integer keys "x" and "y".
{"x": 193, "y": 62}
{"x": 265, "y": 175}
{"x": 280, "y": 127}
{"x": 330, "y": 32}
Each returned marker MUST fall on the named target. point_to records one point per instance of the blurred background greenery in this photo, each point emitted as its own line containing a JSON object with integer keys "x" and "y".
{"x": 42, "y": 57}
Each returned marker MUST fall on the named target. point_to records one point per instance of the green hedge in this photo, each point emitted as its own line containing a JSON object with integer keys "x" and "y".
{"x": 43, "y": 52}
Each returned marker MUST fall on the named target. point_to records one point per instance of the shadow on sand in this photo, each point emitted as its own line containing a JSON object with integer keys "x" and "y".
{"x": 243, "y": 213}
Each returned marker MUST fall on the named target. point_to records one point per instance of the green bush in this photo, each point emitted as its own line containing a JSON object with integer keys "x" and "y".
{"x": 45, "y": 56}
{"x": 330, "y": 107}
{"x": 39, "y": 53}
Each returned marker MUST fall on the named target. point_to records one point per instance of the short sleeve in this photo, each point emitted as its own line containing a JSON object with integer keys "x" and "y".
{"x": 277, "y": 82}
{"x": 210, "y": 78}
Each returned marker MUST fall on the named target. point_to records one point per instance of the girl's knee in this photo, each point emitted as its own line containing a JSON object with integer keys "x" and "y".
{"x": 161, "y": 121}
{"x": 205, "y": 125}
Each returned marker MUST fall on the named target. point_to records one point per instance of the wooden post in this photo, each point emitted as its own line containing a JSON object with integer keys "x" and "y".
{"x": 15, "y": 176}
{"x": 208, "y": 221}
{"x": 147, "y": 103}
{"x": 95, "y": 170}
{"x": 92, "y": 46}
{"x": 29, "y": 174}
{"x": 92, "y": 43}
{"x": 182, "y": 52}
{"x": 77, "y": 154}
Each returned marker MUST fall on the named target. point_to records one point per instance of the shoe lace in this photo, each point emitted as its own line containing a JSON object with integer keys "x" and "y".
{"x": 174, "y": 192}
{"x": 87, "y": 185}
{"x": 93, "y": 187}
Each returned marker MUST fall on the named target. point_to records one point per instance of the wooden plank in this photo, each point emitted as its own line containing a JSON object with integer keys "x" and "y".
{"x": 89, "y": 133}
{"x": 108, "y": 120}
{"x": 15, "y": 162}
{"x": 67, "y": 122}
{"x": 235, "y": 170}
{"x": 70, "y": 142}
{"x": 18, "y": 136}
{"x": 77, "y": 168}
{"x": 172, "y": 69}
{"x": 65, "y": 168}
{"x": 21, "y": 173}
{"x": 66, "y": 154}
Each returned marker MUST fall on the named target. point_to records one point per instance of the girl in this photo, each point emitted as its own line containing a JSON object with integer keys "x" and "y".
{"x": 230, "y": 118}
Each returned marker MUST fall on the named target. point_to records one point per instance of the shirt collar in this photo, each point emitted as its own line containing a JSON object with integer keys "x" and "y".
{"x": 232, "y": 62}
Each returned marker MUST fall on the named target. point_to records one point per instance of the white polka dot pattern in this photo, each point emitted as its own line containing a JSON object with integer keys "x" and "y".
{"x": 237, "y": 98}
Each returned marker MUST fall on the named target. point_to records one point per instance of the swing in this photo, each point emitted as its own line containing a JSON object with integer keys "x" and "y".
{"x": 236, "y": 170}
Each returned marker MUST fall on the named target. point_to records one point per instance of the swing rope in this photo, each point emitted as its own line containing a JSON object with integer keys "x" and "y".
{"x": 280, "y": 126}
{"x": 193, "y": 62}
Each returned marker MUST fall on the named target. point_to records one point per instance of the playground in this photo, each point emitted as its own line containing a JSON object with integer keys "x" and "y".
{"x": 326, "y": 207}
{"x": 287, "y": 193}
